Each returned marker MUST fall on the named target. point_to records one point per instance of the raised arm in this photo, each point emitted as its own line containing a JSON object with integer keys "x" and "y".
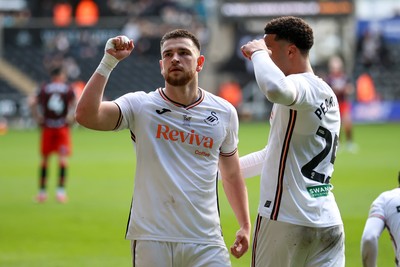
{"x": 271, "y": 80}
{"x": 236, "y": 192}
{"x": 91, "y": 111}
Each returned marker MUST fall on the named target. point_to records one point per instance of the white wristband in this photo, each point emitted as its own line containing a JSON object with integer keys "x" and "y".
{"x": 107, "y": 64}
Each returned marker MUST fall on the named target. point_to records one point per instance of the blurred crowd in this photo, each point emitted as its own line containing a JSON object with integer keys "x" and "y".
{"x": 73, "y": 27}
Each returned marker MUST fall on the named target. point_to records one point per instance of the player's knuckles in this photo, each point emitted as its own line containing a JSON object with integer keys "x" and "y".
{"x": 110, "y": 44}
{"x": 124, "y": 39}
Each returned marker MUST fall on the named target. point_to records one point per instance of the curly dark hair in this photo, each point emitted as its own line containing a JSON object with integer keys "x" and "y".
{"x": 292, "y": 29}
{"x": 180, "y": 33}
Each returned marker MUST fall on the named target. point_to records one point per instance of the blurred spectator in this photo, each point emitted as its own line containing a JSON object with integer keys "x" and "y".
{"x": 200, "y": 10}
{"x": 150, "y": 19}
{"x": 57, "y": 49}
{"x": 3, "y": 126}
{"x": 87, "y": 13}
{"x": 132, "y": 30}
{"x": 366, "y": 92}
{"x": 343, "y": 88}
{"x": 62, "y": 14}
{"x": 78, "y": 87}
{"x": 372, "y": 48}
{"x": 52, "y": 60}
{"x": 62, "y": 44}
{"x": 231, "y": 91}
{"x": 87, "y": 46}
{"x": 72, "y": 69}
{"x": 202, "y": 32}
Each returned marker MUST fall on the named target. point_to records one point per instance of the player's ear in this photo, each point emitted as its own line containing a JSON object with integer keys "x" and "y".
{"x": 161, "y": 66}
{"x": 200, "y": 63}
{"x": 292, "y": 49}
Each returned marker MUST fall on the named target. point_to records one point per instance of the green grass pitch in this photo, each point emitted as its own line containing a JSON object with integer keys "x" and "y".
{"x": 89, "y": 230}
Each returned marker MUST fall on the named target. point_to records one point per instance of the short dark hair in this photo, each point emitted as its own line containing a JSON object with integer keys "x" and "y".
{"x": 55, "y": 71}
{"x": 180, "y": 33}
{"x": 292, "y": 29}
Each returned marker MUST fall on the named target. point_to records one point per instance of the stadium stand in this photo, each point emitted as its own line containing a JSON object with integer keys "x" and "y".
{"x": 9, "y": 90}
{"x": 32, "y": 43}
{"x": 385, "y": 76}
{"x": 137, "y": 72}
{"x": 28, "y": 62}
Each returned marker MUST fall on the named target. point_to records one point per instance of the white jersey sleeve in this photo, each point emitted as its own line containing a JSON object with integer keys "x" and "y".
{"x": 129, "y": 104}
{"x": 271, "y": 79}
{"x": 251, "y": 164}
{"x": 229, "y": 146}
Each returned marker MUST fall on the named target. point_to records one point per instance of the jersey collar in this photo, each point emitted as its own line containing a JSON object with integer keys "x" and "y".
{"x": 195, "y": 103}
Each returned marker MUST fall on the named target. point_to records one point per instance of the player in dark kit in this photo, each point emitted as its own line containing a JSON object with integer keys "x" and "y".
{"x": 343, "y": 88}
{"x": 53, "y": 107}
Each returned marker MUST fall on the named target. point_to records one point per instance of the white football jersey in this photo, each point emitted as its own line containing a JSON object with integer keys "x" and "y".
{"x": 178, "y": 147}
{"x": 295, "y": 179}
{"x": 387, "y": 207}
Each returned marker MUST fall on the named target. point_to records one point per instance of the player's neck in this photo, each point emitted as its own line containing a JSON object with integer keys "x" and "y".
{"x": 299, "y": 65}
{"x": 184, "y": 95}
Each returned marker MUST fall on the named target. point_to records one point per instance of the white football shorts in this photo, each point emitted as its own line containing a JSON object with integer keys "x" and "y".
{"x": 172, "y": 254}
{"x": 288, "y": 245}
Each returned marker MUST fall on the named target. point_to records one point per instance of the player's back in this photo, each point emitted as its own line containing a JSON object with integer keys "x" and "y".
{"x": 295, "y": 183}
{"x": 54, "y": 99}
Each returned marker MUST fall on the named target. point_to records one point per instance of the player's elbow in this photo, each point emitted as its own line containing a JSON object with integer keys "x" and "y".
{"x": 273, "y": 95}
{"x": 369, "y": 239}
{"x": 276, "y": 95}
{"x": 81, "y": 116}
{"x": 369, "y": 246}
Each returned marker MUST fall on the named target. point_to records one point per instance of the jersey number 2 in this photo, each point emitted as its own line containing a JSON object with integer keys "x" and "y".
{"x": 331, "y": 145}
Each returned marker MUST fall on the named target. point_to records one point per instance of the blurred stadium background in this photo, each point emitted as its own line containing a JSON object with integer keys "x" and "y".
{"x": 37, "y": 34}
{"x": 88, "y": 231}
